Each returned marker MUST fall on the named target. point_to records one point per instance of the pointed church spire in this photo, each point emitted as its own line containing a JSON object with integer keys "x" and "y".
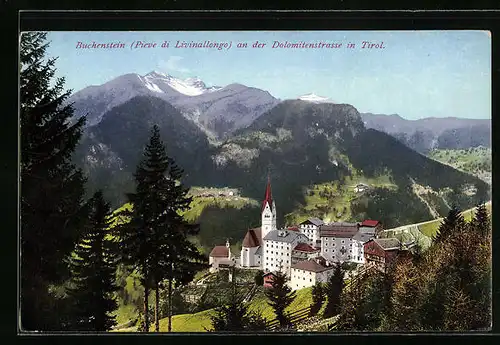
{"x": 268, "y": 198}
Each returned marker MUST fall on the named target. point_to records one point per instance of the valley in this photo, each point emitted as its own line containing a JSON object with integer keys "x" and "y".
{"x": 325, "y": 160}
{"x": 316, "y": 152}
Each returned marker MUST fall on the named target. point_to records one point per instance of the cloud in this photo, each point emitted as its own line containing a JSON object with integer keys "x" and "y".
{"x": 173, "y": 64}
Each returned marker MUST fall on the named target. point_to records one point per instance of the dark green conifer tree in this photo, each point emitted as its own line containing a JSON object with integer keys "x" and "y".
{"x": 280, "y": 296}
{"x": 454, "y": 220}
{"x": 259, "y": 278}
{"x": 235, "y": 315}
{"x": 52, "y": 188}
{"x": 333, "y": 291}
{"x": 481, "y": 221}
{"x": 318, "y": 295}
{"x": 93, "y": 268}
{"x": 155, "y": 241}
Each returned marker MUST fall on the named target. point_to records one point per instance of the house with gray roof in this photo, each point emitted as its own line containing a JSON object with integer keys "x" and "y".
{"x": 381, "y": 252}
{"x": 310, "y": 228}
{"x": 277, "y": 249}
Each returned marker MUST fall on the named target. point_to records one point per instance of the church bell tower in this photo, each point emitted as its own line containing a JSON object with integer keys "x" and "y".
{"x": 268, "y": 211}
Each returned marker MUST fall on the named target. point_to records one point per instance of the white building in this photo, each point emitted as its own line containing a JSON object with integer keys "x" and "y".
{"x": 342, "y": 242}
{"x": 220, "y": 255}
{"x": 310, "y": 228}
{"x": 307, "y": 273}
{"x": 251, "y": 251}
{"x": 337, "y": 241}
{"x": 278, "y": 247}
{"x": 268, "y": 212}
{"x": 358, "y": 242}
{"x": 361, "y": 187}
{"x": 372, "y": 227}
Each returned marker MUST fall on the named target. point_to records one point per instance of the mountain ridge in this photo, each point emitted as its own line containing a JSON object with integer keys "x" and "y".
{"x": 220, "y": 110}
{"x": 426, "y": 134}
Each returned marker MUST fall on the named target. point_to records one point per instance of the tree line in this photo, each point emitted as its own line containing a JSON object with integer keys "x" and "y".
{"x": 77, "y": 244}
{"x": 445, "y": 288}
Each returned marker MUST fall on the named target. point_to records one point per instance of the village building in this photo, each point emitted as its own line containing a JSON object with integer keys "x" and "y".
{"x": 307, "y": 273}
{"x": 278, "y": 247}
{"x": 337, "y": 241}
{"x": 381, "y": 252}
{"x": 251, "y": 251}
{"x": 373, "y": 227}
{"x": 361, "y": 187}
{"x": 358, "y": 242}
{"x": 304, "y": 251}
{"x": 221, "y": 256}
{"x": 310, "y": 228}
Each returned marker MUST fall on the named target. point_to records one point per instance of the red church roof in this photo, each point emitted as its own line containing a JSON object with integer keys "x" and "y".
{"x": 293, "y": 228}
{"x": 268, "y": 198}
{"x": 369, "y": 222}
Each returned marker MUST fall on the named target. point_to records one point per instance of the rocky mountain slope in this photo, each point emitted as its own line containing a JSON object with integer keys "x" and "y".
{"x": 301, "y": 143}
{"x": 111, "y": 149}
{"x": 430, "y": 133}
{"x": 218, "y": 110}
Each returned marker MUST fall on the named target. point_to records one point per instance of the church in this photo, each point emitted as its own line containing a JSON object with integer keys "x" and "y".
{"x": 301, "y": 251}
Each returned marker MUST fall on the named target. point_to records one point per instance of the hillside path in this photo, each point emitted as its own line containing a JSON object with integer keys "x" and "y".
{"x": 415, "y": 190}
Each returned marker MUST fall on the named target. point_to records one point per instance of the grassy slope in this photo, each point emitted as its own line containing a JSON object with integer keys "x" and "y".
{"x": 475, "y": 161}
{"x": 200, "y": 202}
{"x": 336, "y": 199}
{"x": 197, "y": 322}
{"x": 430, "y": 228}
{"x": 259, "y": 303}
{"x": 127, "y": 312}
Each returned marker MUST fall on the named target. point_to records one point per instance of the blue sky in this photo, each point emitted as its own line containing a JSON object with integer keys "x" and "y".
{"x": 418, "y": 73}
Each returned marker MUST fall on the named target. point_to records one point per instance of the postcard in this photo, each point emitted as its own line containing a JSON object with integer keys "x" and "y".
{"x": 255, "y": 181}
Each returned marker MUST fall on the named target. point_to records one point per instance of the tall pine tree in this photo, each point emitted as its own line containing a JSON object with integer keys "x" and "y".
{"x": 280, "y": 296}
{"x": 94, "y": 271}
{"x": 481, "y": 221}
{"x": 333, "y": 291}
{"x": 235, "y": 315}
{"x": 318, "y": 295}
{"x": 52, "y": 188}
{"x": 454, "y": 220}
{"x": 155, "y": 241}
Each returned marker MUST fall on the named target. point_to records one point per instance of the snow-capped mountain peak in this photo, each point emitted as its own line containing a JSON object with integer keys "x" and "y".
{"x": 311, "y": 97}
{"x": 190, "y": 87}
{"x": 157, "y": 74}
